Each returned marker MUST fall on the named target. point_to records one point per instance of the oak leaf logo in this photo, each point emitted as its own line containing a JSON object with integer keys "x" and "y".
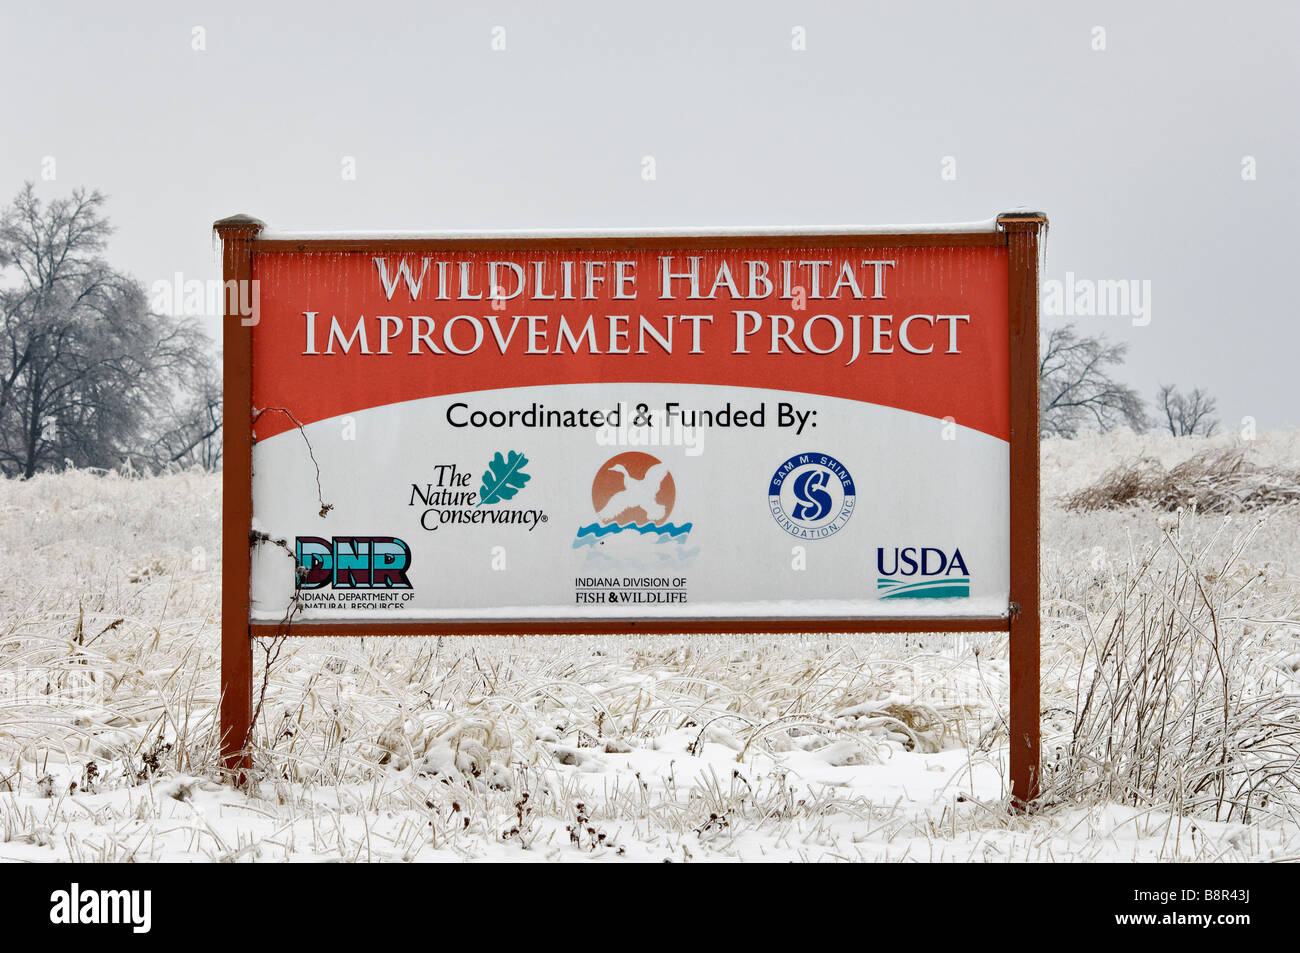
{"x": 503, "y": 478}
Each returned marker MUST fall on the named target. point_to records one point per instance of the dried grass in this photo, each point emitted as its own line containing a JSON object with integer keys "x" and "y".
{"x": 1180, "y": 697}
{"x": 1215, "y": 481}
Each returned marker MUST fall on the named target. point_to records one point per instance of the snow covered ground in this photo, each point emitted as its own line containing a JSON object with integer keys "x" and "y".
{"x": 647, "y": 748}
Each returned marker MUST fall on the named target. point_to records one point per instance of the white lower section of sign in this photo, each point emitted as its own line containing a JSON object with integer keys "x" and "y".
{"x": 826, "y": 507}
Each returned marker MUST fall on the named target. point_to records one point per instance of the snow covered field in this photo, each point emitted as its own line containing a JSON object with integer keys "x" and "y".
{"x": 647, "y": 748}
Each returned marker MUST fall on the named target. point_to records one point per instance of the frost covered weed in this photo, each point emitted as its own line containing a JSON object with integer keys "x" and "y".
{"x": 1222, "y": 481}
{"x": 1170, "y": 669}
{"x": 1183, "y": 693}
{"x": 476, "y": 709}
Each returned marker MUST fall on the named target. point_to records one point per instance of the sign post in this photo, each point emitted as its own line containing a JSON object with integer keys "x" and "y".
{"x": 652, "y": 432}
{"x": 1022, "y": 232}
{"x": 236, "y": 234}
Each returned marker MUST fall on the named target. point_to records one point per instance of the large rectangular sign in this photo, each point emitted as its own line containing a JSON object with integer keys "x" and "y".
{"x": 780, "y": 431}
{"x": 532, "y": 432}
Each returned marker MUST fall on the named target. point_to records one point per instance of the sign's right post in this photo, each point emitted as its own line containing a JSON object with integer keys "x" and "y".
{"x": 1023, "y": 230}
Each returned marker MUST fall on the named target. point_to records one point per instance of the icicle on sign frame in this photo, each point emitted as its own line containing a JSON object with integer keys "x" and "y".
{"x": 700, "y": 431}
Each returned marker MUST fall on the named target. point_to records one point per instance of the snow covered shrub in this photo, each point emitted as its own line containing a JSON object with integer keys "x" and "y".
{"x": 1181, "y": 696}
{"x": 1214, "y": 480}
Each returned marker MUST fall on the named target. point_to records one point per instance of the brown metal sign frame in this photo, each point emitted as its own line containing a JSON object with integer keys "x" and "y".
{"x": 1018, "y": 231}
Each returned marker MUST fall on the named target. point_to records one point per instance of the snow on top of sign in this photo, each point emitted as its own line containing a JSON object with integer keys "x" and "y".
{"x": 986, "y": 225}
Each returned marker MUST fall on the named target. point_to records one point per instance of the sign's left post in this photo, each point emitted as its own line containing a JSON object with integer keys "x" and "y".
{"x": 239, "y": 317}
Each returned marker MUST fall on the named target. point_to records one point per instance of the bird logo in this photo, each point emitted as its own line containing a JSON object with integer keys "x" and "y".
{"x": 633, "y": 487}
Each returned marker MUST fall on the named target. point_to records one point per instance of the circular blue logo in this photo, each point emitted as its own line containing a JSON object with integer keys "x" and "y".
{"x": 811, "y": 495}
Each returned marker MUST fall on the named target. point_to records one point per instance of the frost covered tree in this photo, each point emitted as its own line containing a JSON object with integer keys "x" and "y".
{"x": 188, "y": 431}
{"x": 1076, "y": 387}
{"x": 1187, "y": 415}
{"x": 86, "y": 371}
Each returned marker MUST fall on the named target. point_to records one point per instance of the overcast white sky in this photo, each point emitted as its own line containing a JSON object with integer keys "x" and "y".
{"x": 1135, "y": 152}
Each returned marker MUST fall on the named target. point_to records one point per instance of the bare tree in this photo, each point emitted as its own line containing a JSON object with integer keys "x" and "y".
{"x": 84, "y": 366}
{"x": 187, "y": 431}
{"x": 1075, "y": 386}
{"x": 1187, "y": 415}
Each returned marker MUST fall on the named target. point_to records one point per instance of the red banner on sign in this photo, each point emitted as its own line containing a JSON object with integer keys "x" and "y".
{"x": 921, "y": 329}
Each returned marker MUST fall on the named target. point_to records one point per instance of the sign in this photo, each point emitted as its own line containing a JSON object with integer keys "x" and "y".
{"x": 633, "y": 432}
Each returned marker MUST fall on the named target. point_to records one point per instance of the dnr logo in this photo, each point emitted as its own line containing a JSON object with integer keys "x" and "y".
{"x": 353, "y": 562}
{"x": 925, "y": 572}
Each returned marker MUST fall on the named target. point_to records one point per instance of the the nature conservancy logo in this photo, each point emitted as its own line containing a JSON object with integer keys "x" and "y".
{"x": 503, "y": 478}
{"x": 921, "y": 572}
{"x": 811, "y": 495}
{"x": 450, "y": 498}
{"x": 633, "y": 495}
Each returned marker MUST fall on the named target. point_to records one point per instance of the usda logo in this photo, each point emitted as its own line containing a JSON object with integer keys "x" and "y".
{"x": 921, "y": 572}
{"x": 811, "y": 496}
